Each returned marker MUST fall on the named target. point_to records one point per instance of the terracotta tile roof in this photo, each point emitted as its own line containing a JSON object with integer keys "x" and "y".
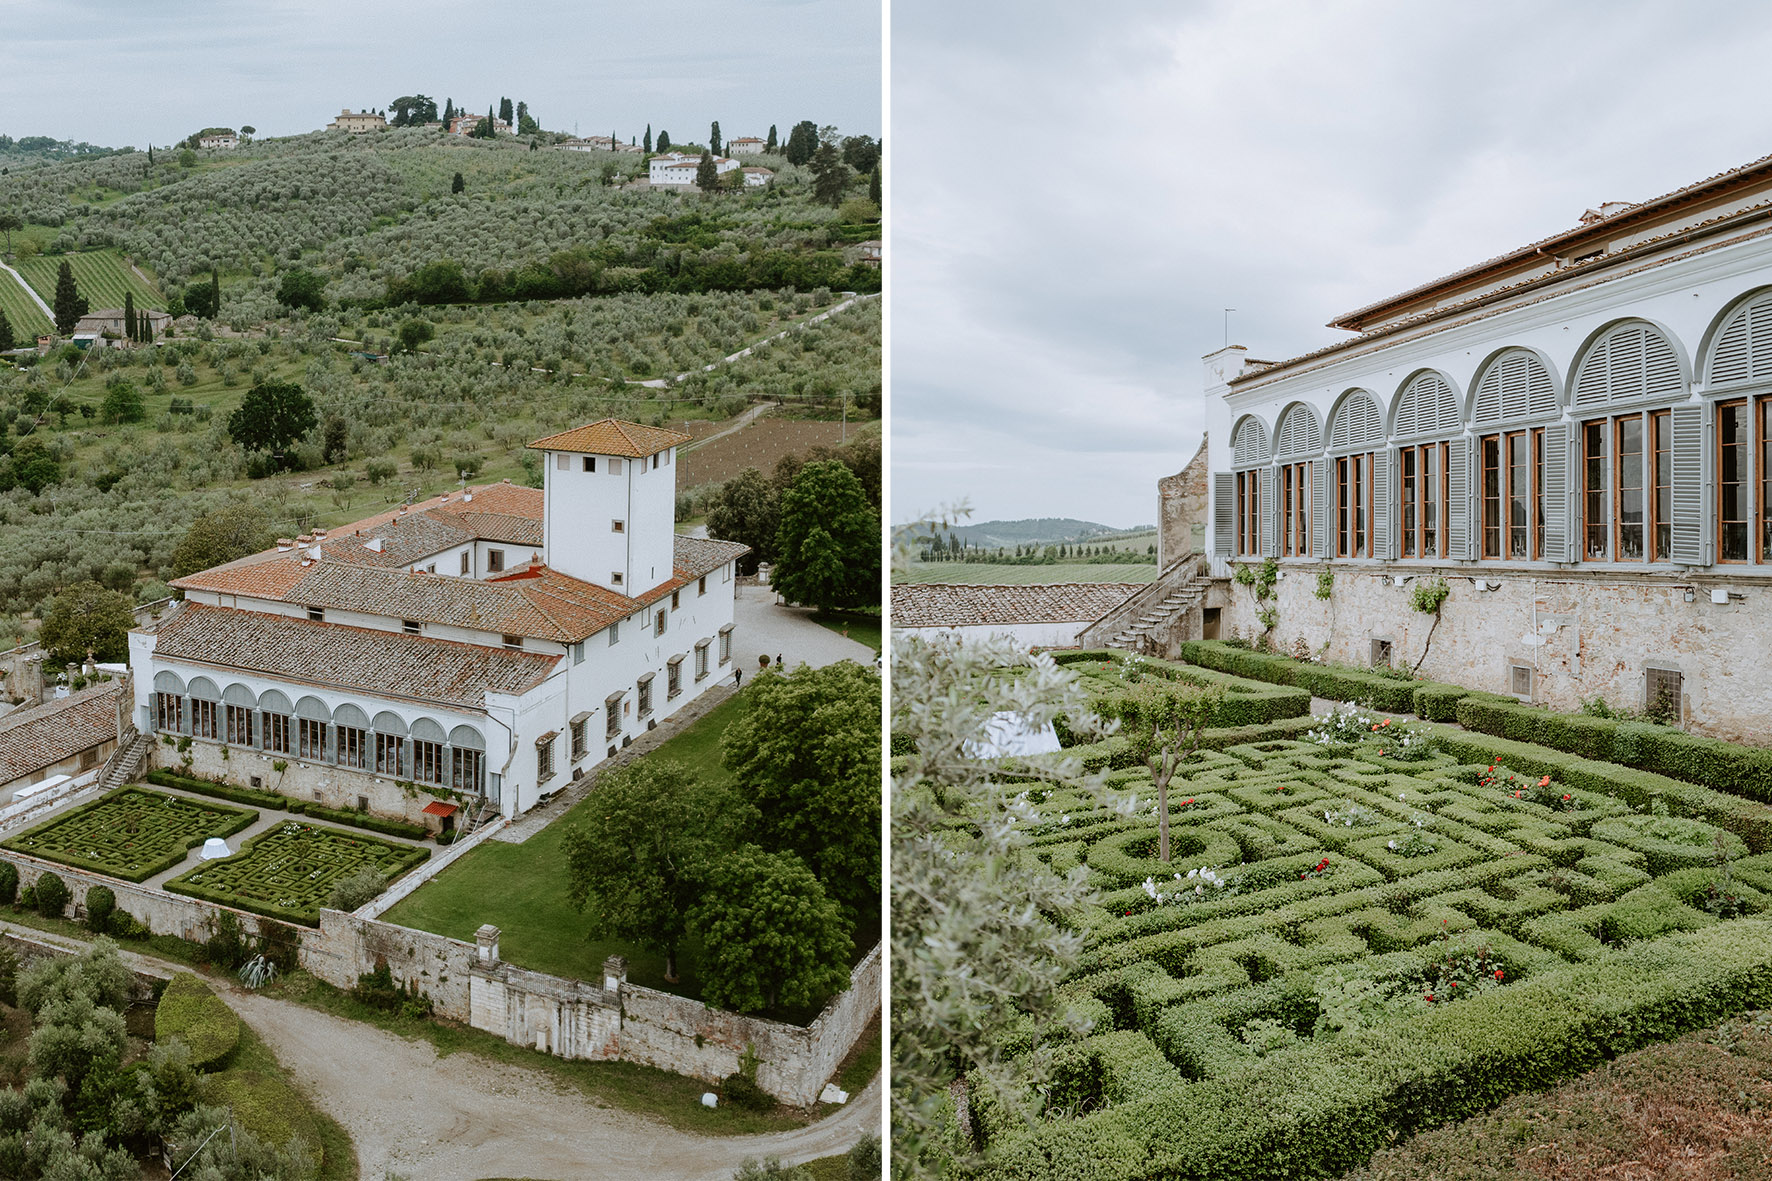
{"x": 43, "y": 735}
{"x": 613, "y": 437}
{"x": 269, "y": 575}
{"x": 389, "y": 663}
{"x": 502, "y": 527}
{"x": 512, "y": 500}
{"x": 933, "y": 604}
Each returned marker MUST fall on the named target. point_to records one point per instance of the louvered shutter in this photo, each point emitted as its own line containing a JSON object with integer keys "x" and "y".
{"x": 1223, "y": 512}
{"x": 1269, "y": 547}
{"x": 1743, "y": 350}
{"x": 1320, "y": 508}
{"x": 1559, "y": 495}
{"x": 1384, "y": 464}
{"x": 1459, "y": 464}
{"x": 1692, "y": 467}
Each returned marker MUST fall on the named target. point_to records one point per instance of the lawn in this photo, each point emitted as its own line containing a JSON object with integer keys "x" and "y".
{"x": 861, "y": 626}
{"x": 288, "y": 872}
{"x": 1350, "y": 939}
{"x": 989, "y": 573}
{"x": 131, "y": 834}
{"x": 521, "y": 889}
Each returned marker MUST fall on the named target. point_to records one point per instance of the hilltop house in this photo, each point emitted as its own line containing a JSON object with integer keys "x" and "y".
{"x": 745, "y": 145}
{"x": 480, "y": 649}
{"x": 756, "y": 178}
{"x": 465, "y": 124}
{"x": 358, "y": 122}
{"x": 1575, "y": 435}
{"x": 219, "y": 139}
{"x": 590, "y": 143}
{"x": 678, "y": 168}
{"x": 107, "y": 327}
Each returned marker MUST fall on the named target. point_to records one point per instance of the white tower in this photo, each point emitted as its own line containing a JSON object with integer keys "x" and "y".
{"x": 609, "y": 504}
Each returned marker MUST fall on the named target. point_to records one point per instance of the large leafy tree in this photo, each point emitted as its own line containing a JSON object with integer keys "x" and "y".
{"x": 664, "y": 141}
{"x": 221, "y": 536}
{"x": 31, "y": 466}
{"x": 707, "y": 176}
{"x": 123, "y": 401}
{"x": 69, "y": 304}
{"x": 748, "y": 510}
{"x": 638, "y": 854}
{"x": 302, "y": 288}
{"x": 802, "y": 142}
{"x": 828, "y": 541}
{"x": 860, "y": 152}
{"x": 977, "y": 956}
{"x": 806, "y": 767}
{"x": 770, "y": 934}
{"x": 271, "y": 417}
{"x": 830, "y": 176}
{"x": 87, "y": 617}
{"x": 10, "y": 221}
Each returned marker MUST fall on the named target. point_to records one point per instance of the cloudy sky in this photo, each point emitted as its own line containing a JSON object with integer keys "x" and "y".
{"x": 117, "y": 72}
{"x": 1078, "y": 190}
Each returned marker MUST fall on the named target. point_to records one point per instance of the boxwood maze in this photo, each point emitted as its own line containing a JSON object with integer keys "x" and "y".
{"x": 288, "y": 872}
{"x": 130, "y": 834}
{"x": 1394, "y": 943}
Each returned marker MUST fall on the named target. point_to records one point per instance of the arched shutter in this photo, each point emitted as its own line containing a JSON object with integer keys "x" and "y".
{"x": 1459, "y": 465}
{"x": 1632, "y": 362}
{"x": 1743, "y": 350}
{"x": 1692, "y": 481}
{"x": 1223, "y": 510}
{"x": 1559, "y": 495}
{"x": 1516, "y": 386}
{"x": 1429, "y": 406}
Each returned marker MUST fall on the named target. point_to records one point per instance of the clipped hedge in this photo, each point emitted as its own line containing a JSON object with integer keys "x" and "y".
{"x": 1665, "y": 750}
{"x": 1116, "y": 754}
{"x": 1324, "y": 1108}
{"x": 98, "y": 836}
{"x": 381, "y": 824}
{"x": 191, "y": 1012}
{"x": 1243, "y": 702}
{"x": 221, "y": 791}
{"x": 1337, "y": 684}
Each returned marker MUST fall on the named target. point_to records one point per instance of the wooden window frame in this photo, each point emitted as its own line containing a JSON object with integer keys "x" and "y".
{"x": 276, "y": 733}
{"x": 467, "y": 769}
{"x": 169, "y": 708}
{"x": 428, "y": 763}
{"x": 1353, "y": 505}
{"x": 1617, "y": 436}
{"x": 1595, "y": 498}
{"x": 240, "y": 725}
{"x": 205, "y": 718}
{"x": 390, "y": 754}
{"x": 1746, "y": 480}
{"x": 352, "y": 747}
{"x": 1489, "y": 508}
{"x": 310, "y": 735}
{"x": 1408, "y": 502}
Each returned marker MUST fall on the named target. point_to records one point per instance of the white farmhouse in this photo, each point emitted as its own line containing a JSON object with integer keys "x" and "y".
{"x": 480, "y": 649}
{"x": 745, "y": 145}
{"x": 756, "y": 178}
{"x": 221, "y": 139}
{"x": 678, "y": 168}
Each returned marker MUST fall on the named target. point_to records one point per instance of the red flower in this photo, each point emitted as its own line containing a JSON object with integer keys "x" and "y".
{"x": 1387, "y": 721}
{"x": 1302, "y": 876}
{"x": 1545, "y": 782}
{"x": 1565, "y": 797}
{"x": 1375, "y": 729}
{"x": 1430, "y": 998}
{"x": 1187, "y": 801}
{"x": 1498, "y": 973}
{"x": 1455, "y": 984}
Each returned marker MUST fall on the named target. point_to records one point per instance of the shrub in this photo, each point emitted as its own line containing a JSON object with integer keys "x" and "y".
{"x": 51, "y": 896}
{"x": 379, "y": 990}
{"x": 741, "y": 1090}
{"x": 265, "y": 1105}
{"x": 126, "y": 926}
{"x": 8, "y": 882}
{"x": 190, "y": 1011}
{"x": 352, "y": 892}
{"x": 381, "y": 824}
{"x": 226, "y": 947}
{"x": 101, "y": 903}
{"x": 221, "y": 791}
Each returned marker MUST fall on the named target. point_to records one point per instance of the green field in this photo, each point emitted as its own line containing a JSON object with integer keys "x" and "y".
{"x": 26, "y": 318}
{"x": 986, "y": 573}
{"x": 102, "y": 276}
{"x": 521, "y": 889}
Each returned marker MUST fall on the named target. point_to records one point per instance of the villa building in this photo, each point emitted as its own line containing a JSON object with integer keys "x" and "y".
{"x": 678, "y": 168}
{"x": 1576, "y": 435}
{"x": 358, "y": 122}
{"x": 478, "y": 650}
{"x": 745, "y": 145}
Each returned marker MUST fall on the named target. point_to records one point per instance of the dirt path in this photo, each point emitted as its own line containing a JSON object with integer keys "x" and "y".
{"x": 659, "y": 383}
{"x": 462, "y": 1118}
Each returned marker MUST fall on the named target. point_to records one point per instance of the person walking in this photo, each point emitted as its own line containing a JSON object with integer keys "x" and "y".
{"x": 780, "y": 662}
{"x": 738, "y": 678}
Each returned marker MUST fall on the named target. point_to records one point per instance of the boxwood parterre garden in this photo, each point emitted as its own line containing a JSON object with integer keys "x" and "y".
{"x": 131, "y": 833}
{"x": 1368, "y": 927}
{"x": 288, "y": 872}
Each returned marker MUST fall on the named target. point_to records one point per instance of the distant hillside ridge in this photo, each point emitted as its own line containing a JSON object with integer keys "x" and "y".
{"x": 1031, "y": 531}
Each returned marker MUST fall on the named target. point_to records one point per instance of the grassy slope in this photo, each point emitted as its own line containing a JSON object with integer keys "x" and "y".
{"x": 522, "y": 888}
{"x": 26, "y": 318}
{"x": 986, "y": 573}
{"x": 101, "y": 275}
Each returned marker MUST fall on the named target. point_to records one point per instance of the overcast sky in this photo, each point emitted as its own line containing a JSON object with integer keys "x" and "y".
{"x": 1078, "y": 190}
{"x": 116, "y": 72}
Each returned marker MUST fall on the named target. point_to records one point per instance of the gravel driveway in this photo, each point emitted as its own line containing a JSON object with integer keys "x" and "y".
{"x": 463, "y": 1118}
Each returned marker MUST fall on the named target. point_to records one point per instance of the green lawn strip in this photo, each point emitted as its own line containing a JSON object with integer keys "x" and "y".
{"x": 862, "y": 1063}
{"x": 131, "y": 833}
{"x": 828, "y": 1168}
{"x": 521, "y": 889}
{"x": 673, "y": 1098}
{"x": 287, "y": 872}
{"x": 991, "y": 573}
{"x": 862, "y": 627}
{"x": 253, "y": 1057}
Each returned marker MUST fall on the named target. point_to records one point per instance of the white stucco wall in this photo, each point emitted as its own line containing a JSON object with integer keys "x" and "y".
{"x": 580, "y": 509}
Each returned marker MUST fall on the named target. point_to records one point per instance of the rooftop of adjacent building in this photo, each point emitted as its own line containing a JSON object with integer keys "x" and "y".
{"x": 932, "y": 604}
{"x": 43, "y": 735}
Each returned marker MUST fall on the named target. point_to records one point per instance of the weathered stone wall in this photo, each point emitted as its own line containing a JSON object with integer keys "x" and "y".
{"x": 1181, "y": 510}
{"x": 164, "y": 914}
{"x": 345, "y": 947}
{"x": 325, "y": 783}
{"x": 1583, "y": 635}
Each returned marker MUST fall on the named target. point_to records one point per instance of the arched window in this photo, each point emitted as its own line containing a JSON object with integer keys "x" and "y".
{"x": 1359, "y": 479}
{"x": 350, "y": 743}
{"x": 390, "y": 744}
{"x": 1253, "y": 488}
{"x": 1426, "y": 420}
{"x": 1743, "y": 348}
{"x": 1298, "y": 441}
{"x": 1428, "y": 405}
{"x": 311, "y": 724}
{"x": 428, "y": 765}
{"x": 169, "y": 702}
{"x": 467, "y": 760}
{"x": 1522, "y": 473}
{"x": 239, "y": 708}
{"x": 275, "y": 712}
{"x": 1515, "y": 386}
{"x": 1623, "y": 392}
{"x": 205, "y": 708}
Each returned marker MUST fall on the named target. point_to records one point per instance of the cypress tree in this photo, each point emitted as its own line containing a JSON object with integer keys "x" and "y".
{"x": 69, "y": 306}
{"x": 129, "y": 315}
{"x": 707, "y": 177}
{"x": 770, "y": 145}
{"x": 646, "y": 144}
{"x": 505, "y": 112}
{"x": 714, "y": 138}
{"x": 448, "y": 112}
{"x": 874, "y": 185}
{"x": 458, "y": 184}
{"x": 664, "y": 141}
{"x": 5, "y": 333}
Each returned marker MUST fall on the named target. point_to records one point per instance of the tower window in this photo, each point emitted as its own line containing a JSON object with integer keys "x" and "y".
{"x": 618, "y": 526}
{"x": 563, "y": 462}
{"x": 615, "y": 577}
{"x": 495, "y": 560}
{"x": 590, "y": 463}
{"x": 464, "y": 561}
{"x": 615, "y": 467}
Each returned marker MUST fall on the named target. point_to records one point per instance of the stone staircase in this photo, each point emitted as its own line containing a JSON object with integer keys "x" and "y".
{"x": 1149, "y": 619}
{"x": 126, "y": 763}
